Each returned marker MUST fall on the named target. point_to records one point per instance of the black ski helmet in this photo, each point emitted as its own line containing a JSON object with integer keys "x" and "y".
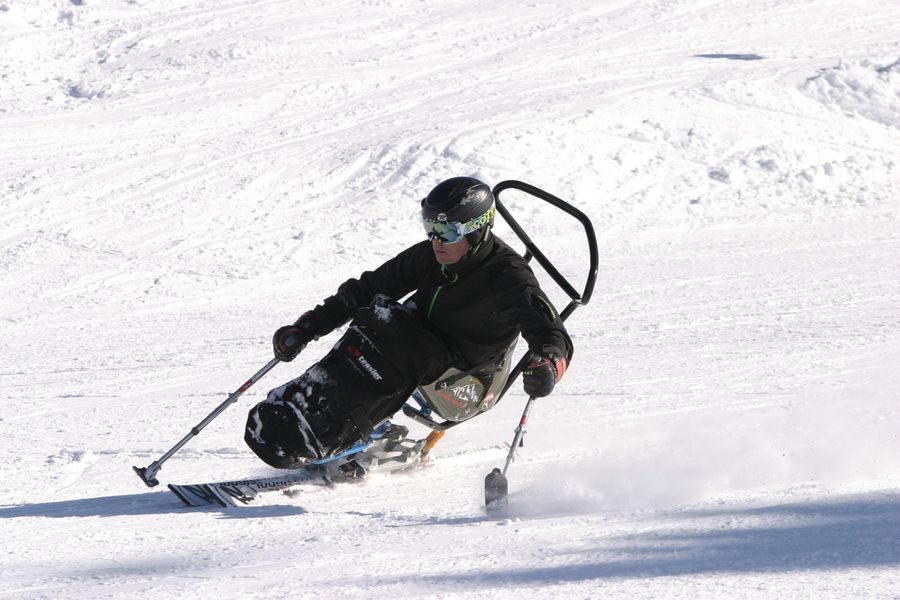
{"x": 464, "y": 203}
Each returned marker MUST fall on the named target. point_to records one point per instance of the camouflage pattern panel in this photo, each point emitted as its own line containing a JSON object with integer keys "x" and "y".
{"x": 471, "y": 395}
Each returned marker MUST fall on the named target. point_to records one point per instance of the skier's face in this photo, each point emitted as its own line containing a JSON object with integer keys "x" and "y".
{"x": 447, "y": 254}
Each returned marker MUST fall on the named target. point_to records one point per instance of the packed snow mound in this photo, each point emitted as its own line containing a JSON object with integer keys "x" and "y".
{"x": 866, "y": 89}
{"x": 782, "y": 174}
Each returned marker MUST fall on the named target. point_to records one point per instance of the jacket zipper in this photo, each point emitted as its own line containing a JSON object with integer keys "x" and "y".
{"x": 439, "y": 288}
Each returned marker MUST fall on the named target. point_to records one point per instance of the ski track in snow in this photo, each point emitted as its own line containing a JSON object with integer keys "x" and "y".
{"x": 179, "y": 179}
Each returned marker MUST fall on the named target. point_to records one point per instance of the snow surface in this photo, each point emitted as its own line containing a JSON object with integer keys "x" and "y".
{"x": 180, "y": 178}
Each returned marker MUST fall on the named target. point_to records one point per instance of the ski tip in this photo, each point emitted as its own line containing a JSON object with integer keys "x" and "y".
{"x": 208, "y": 494}
{"x": 177, "y": 491}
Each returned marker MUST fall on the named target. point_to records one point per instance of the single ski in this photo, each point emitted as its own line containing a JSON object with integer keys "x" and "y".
{"x": 391, "y": 451}
{"x": 244, "y": 491}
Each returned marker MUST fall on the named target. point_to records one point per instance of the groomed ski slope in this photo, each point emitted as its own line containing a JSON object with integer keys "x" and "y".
{"x": 178, "y": 179}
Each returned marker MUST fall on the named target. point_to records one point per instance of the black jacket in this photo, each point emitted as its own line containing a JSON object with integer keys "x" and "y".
{"x": 478, "y": 306}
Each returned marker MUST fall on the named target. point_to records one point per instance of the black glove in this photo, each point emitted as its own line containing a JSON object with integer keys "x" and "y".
{"x": 290, "y": 340}
{"x": 542, "y": 373}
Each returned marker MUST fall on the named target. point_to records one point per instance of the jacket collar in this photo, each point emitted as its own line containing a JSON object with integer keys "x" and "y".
{"x": 474, "y": 259}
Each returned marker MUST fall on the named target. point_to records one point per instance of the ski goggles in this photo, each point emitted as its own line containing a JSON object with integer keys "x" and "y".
{"x": 451, "y": 232}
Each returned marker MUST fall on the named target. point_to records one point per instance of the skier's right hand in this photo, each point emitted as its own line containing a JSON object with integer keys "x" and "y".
{"x": 290, "y": 340}
{"x": 542, "y": 374}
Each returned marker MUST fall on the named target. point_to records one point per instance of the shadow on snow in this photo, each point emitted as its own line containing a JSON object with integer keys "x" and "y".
{"x": 859, "y": 531}
{"x": 731, "y": 56}
{"x": 146, "y": 503}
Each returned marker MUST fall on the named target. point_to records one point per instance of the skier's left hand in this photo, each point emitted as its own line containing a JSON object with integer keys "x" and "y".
{"x": 542, "y": 374}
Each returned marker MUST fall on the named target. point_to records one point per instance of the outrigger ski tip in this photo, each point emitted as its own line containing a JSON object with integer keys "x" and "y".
{"x": 151, "y": 481}
{"x": 496, "y": 490}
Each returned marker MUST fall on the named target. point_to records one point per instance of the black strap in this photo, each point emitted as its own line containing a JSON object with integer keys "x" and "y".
{"x": 359, "y": 419}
